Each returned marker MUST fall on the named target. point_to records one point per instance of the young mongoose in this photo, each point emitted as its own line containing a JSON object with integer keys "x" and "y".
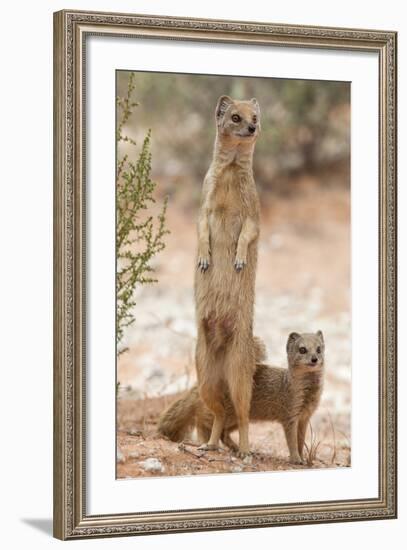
{"x": 228, "y": 229}
{"x": 288, "y": 396}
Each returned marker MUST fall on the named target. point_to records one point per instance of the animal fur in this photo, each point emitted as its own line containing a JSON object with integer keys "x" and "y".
{"x": 228, "y": 230}
{"x": 288, "y": 396}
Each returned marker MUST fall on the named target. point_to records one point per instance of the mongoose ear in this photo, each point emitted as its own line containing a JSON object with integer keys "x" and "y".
{"x": 255, "y": 103}
{"x": 292, "y": 338}
{"x": 223, "y": 103}
{"x": 320, "y": 335}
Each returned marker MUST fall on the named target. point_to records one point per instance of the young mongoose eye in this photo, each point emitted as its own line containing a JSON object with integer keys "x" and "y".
{"x": 236, "y": 118}
{"x": 254, "y": 119}
{"x": 318, "y": 349}
{"x": 302, "y": 350}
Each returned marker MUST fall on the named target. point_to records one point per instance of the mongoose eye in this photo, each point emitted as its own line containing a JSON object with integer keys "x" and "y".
{"x": 254, "y": 119}
{"x": 302, "y": 350}
{"x": 318, "y": 349}
{"x": 236, "y": 118}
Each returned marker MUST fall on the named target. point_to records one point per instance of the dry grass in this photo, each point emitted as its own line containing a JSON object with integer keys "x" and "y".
{"x": 333, "y": 458}
{"x": 311, "y": 448}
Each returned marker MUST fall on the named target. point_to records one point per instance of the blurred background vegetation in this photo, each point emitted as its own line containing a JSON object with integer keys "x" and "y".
{"x": 305, "y": 128}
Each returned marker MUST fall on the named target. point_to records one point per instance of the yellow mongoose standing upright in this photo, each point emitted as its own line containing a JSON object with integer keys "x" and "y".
{"x": 228, "y": 230}
{"x": 289, "y": 396}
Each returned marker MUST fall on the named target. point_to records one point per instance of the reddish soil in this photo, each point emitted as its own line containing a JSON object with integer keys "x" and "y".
{"x": 138, "y": 440}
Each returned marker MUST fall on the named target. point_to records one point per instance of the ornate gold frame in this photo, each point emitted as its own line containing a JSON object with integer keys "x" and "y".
{"x": 70, "y": 31}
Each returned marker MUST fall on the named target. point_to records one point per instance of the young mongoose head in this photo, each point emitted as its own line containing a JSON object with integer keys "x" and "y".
{"x": 237, "y": 121}
{"x": 306, "y": 352}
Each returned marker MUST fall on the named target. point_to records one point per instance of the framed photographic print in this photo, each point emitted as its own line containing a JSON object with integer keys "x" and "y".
{"x": 225, "y": 274}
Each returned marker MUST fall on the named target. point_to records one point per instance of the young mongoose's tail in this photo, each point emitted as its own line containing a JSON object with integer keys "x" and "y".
{"x": 180, "y": 417}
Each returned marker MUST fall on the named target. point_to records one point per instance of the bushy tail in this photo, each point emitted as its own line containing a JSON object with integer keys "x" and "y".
{"x": 179, "y": 418}
{"x": 259, "y": 350}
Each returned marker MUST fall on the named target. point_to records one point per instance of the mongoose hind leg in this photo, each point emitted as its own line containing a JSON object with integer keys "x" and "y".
{"x": 217, "y": 429}
{"x": 212, "y": 396}
{"x": 204, "y": 434}
{"x": 240, "y": 388}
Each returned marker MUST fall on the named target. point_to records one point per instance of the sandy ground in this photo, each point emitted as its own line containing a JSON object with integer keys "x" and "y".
{"x": 303, "y": 284}
{"x": 139, "y": 441}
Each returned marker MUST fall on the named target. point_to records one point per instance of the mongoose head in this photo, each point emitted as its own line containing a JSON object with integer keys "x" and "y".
{"x": 306, "y": 351}
{"x": 237, "y": 121}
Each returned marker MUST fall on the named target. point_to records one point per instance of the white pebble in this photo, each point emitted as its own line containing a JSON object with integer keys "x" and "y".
{"x": 152, "y": 465}
{"x": 120, "y": 456}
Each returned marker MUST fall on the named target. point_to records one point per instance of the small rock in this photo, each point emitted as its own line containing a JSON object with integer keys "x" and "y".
{"x": 135, "y": 432}
{"x": 155, "y": 372}
{"x": 248, "y": 459}
{"x": 120, "y": 456}
{"x": 237, "y": 469}
{"x": 152, "y": 465}
{"x": 134, "y": 454}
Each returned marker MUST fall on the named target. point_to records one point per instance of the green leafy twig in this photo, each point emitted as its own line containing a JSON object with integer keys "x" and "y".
{"x": 139, "y": 236}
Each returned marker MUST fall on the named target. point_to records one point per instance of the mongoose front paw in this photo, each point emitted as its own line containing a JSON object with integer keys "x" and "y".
{"x": 203, "y": 264}
{"x": 239, "y": 264}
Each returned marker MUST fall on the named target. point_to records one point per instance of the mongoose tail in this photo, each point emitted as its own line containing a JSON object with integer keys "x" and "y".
{"x": 180, "y": 417}
{"x": 260, "y": 350}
